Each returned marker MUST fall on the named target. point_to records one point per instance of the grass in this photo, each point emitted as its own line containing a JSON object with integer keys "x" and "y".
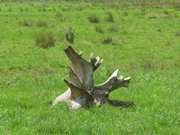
{"x": 146, "y": 47}
{"x": 45, "y": 40}
{"x": 93, "y": 19}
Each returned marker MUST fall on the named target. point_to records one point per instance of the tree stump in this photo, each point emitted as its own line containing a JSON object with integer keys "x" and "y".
{"x": 82, "y": 91}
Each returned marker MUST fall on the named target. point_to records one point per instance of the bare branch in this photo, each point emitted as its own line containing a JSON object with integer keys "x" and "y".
{"x": 113, "y": 82}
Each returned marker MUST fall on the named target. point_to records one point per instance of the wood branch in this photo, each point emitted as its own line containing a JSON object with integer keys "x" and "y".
{"x": 112, "y": 83}
{"x": 82, "y": 68}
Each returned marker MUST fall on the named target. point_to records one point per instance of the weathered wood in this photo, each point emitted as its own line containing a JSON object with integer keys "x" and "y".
{"x": 112, "y": 83}
{"x": 82, "y": 68}
{"x": 82, "y": 91}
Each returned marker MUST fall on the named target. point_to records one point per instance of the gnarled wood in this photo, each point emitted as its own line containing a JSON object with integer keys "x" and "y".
{"x": 82, "y": 91}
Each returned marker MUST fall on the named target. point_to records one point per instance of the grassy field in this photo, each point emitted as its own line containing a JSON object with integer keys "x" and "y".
{"x": 142, "y": 42}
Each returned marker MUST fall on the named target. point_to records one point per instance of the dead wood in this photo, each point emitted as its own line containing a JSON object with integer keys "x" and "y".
{"x": 82, "y": 91}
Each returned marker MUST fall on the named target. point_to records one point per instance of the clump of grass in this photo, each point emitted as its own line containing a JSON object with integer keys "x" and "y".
{"x": 99, "y": 29}
{"x": 159, "y": 30}
{"x": 107, "y": 40}
{"x": 93, "y": 19}
{"x": 143, "y": 11}
{"x": 26, "y": 23}
{"x": 9, "y": 10}
{"x": 45, "y": 40}
{"x": 30, "y": 23}
{"x": 113, "y": 28}
{"x": 109, "y": 17}
{"x": 21, "y": 9}
{"x": 149, "y": 65}
{"x": 54, "y": 9}
{"x": 166, "y": 12}
{"x": 39, "y": 9}
{"x": 177, "y": 34}
{"x": 168, "y": 43}
{"x": 69, "y": 35}
{"x": 31, "y": 4}
{"x": 41, "y": 23}
{"x": 44, "y": 9}
{"x": 161, "y": 15}
{"x": 126, "y": 14}
{"x": 60, "y": 16}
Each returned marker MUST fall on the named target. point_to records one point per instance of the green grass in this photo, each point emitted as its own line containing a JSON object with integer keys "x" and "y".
{"x": 145, "y": 45}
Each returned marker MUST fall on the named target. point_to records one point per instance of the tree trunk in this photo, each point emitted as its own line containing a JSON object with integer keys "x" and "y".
{"x": 82, "y": 91}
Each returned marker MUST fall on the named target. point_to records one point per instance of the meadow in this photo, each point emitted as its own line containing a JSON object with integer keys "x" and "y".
{"x": 141, "y": 41}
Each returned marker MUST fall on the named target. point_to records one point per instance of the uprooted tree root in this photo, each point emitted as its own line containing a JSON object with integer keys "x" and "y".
{"x": 82, "y": 92}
